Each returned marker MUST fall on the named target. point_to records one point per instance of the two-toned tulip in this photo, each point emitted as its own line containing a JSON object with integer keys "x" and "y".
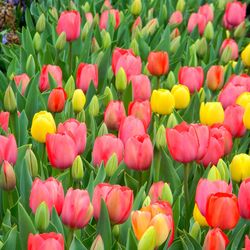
{"x": 230, "y": 45}
{"x": 197, "y": 20}
{"x": 215, "y": 77}
{"x": 160, "y": 191}
{"x": 22, "y": 79}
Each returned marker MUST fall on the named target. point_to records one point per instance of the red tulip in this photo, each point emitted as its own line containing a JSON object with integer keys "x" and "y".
{"x": 22, "y": 79}
{"x": 85, "y": 74}
{"x": 192, "y": 77}
{"x": 118, "y": 199}
{"x": 104, "y": 147}
{"x": 54, "y": 71}
{"x": 141, "y": 110}
{"x": 114, "y": 114}
{"x": 56, "y": 100}
{"x": 4, "y": 120}
{"x": 244, "y": 199}
{"x": 49, "y": 191}
{"x": 235, "y": 14}
{"x": 130, "y": 126}
{"x": 8, "y": 149}
{"x": 158, "y": 63}
{"x": 215, "y": 77}
{"x": 77, "y": 131}
{"x": 138, "y": 152}
{"x": 247, "y": 243}
{"x": 176, "y": 18}
{"x": 215, "y": 240}
{"x": 105, "y": 18}
{"x": 222, "y": 211}
{"x": 207, "y": 11}
{"x": 117, "y": 53}
{"x": 155, "y": 191}
{"x": 46, "y": 241}
{"x": 233, "y": 45}
{"x": 77, "y": 209}
{"x": 234, "y": 120}
{"x": 61, "y": 150}
{"x": 205, "y": 188}
{"x": 197, "y": 20}
{"x": 70, "y": 23}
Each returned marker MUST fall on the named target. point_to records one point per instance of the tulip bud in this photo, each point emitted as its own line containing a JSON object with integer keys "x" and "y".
{"x": 209, "y": 31}
{"x": 148, "y": 239}
{"x": 97, "y": 243}
{"x": 202, "y": 48}
{"x": 37, "y": 41}
{"x": 110, "y": 73}
{"x": 30, "y": 66}
{"x": 226, "y": 54}
{"x": 77, "y": 169}
{"x": 108, "y": 96}
{"x": 175, "y": 44}
{"x": 9, "y": 101}
{"x": 136, "y": 7}
{"x": 41, "y": 22}
{"x": 214, "y": 174}
{"x": 106, "y": 40}
{"x": 81, "y": 116}
{"x": 196, "y": 231}
{"x": 111, "y": 165}
{"x": 172, "y": 121}
{"x": 135, "y": 47}
{"x": 193, "y": 57}
{"x": 164, "y": 11}
{"x": 103, "y": 130}
{"x": 99, "y": 57}
{"x": 166, "y": 194}
{"x": 61, "y": 41}
{"x": 70, "y": 87}
{"x": 116, "y": 231}
{"x": 146, "y": 202}
{"x": 78, "y": 100}
{"x": 85, "y": 30}
{"x": 7, "y": 177}
{"x": 96, "y": 19}
{"x": 161, "y": 137}
{"x": 202, "y": 95}
{"x": 86, "y": 7}
{"x": 150, "y": 13}
{"x": 94, "y": 106}
{"x": 95, "y": 45}
{"x": 150, "y": 27}
{"x": 42, "y": 217}
{"x": 121, "y": 80}
{"x": 240, "y": 31}
{"x": 171, "y": 81}
{"x": 180, "y": 5}
{"x": 54, "y": 13}
{"x": 31, "y": 162}
{"x": 223, "y": 169}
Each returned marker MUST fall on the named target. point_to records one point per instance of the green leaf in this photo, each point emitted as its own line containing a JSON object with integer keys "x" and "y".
{"x": 77, "y": 245}
{"x": 131, "y": 241}
{"x": 55, "y": 219}
{"x": 23, "y": 135}
{"x": 10, "y": 242}
{"x": 131, "y": 182}
{"x": 127, "y": 96}
{"x": 101, "y": 175}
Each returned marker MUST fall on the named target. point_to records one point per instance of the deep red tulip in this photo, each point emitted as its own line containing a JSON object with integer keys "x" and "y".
{"x": 158, "y": 63}
{"x": 8, "y": 149}
{"x": 233, "y": 45}
{"x": 215, "y": 240}
{"x": 197, "y": 20}
{"x": 244, "y": 199}
{"x": 22, "y": 79}
{"x": 215, "y": 77}
{"x": 207, "y": 11}
{"x": 4, "y": 120}
{"x": 70, "y": 23}
{"x": 56, "y": 100}
{"x": 176, "y": 18}
{"x": 118, "y": 199}
{"x": 104, "y": 19}
{"x": 49, "y": 191}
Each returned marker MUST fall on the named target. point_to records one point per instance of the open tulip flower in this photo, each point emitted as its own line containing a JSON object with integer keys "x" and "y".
{"x": 124, "y": 125}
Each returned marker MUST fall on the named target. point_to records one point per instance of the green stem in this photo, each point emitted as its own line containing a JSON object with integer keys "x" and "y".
{"x": 70, "y": 238}
{"x": 186, "y": 194}
{"x": 157, "y": 165}
{"x": 10, "y": 199}
{"x": 158, "y": 82}
{"x": 70, "y": 58}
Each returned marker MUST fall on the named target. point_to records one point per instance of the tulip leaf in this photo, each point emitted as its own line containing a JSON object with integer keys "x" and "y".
{"x": 127, "y": 96}
{"x": 138, "y": 199}
{"x": 176, "y": 245}
{"x": 10, "y": 242}
{"x": 55, "y": 219}
{"x": 239, "y": 233}
{"x": 52, "y": 82}
{"x": 23, "y": 135}
{"x": 101, "y": 175}
{"x": 191, "y": 114}
{"x": 77, "y": 245}
{"x": 90, "y": 186}
{"x": 144, "y": 49}
{"x": 131, "y": 182}
{"x": 131, "y": 241}
{"x": 86, "y": 46}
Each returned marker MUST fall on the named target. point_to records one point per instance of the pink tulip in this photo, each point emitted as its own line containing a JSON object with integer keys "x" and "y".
{"x": 229, "y": 42}
{"x": 104, "y": 147}
{"x": 85, "y": 74}
{"x": 8, "y": 149}
{"x": 117, "y": 53}
{"x": 54, "y": 71}
{"x": 155, "y": 191}
{"x": 105, "y": 18}
{"x": 192, "y": 77}
{"x": 77, "y": 208}
{"x": 70, "y": 23}
{"x": 197, "y": 20}
{"x": 207, "y": 11}
{"x": 138, "y": 152}
{"x": 77, "y": 131}
{"x": 49, "y": 191}
{"x": 215, "y": 240}
{"x": 22, "y": 79}
{"x": 130, "y": 126}
{"x": 107, "y": 4}
{"x": 61, "y": 150}
{"x": 114, "y": 114}
{"x": 4, "y": 120}
{"x": 176, "y": 18}
{"x": 244, "y": 199}
{"x": 118, "y": 199}
{"x": 247, "y": 243}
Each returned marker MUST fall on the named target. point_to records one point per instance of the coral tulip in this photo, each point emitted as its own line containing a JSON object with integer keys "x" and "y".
{"x": 56, "y": 100}
{"x": 215, "y": 240}
{"x": 215, "y": 77}
{"x": 158, "y": 63}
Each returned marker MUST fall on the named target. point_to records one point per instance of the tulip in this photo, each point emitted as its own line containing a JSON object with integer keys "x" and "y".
{"x": 247, "y": 243}
{"x": 85, "y": 74}
{"x": 222, "y": 211}
{"x": 141, "y": 110}
{"x": 243, "y": 100}
{"x": 192, "y": 77}
{"x": 176, "y": 18}
{"x": 234, "y": 120}
{"x": 245, "y": 55}
{"x": 160, "y": 191}
{"x": 181, "y": 96}
{"x": 240, "y": 167}
{"x": 136, "y": 7}
{"x": 46, "y": 241}
{"x": 234, "y": 14}
{"x": 78, "y": 100}
{"x": 230, "y": 43}
{"x": 118, "y": 199}
{"x": 215, "y": 77}
{"x": 175, "y": 33}
{"x": 61, "y": 150}
{"x": 49, "y": 191}
{"x": 129, "y": 127}
{"x": 160, "y": 139}
{"x": 138, "y": 152}
{"x": 7, "y": 177}
{"x": 198, "y": 217}
{"x": 106, "y": 15}
{"x": 94, "y": 106}
{"x": 209, "y": 31}
{"x": 158, "y": 63}
{"x": 244, "y": 199}
{"x": 42, "y": 124}
{"x": 141, "y": 87}
{"x": 246, "y": 117}
{"x": 104, "y": 147}
{"x": 8, "y": 149}
{"x": 117, "y": 53}
{"x": 56, "y": 100}
{"x": 70, "y": 23}
{"x": 23, "y": 80}
{"x": 207, "y": 11}
{"x": 199, "y": 20}
{"x": 77, "y": 209}
{"x": 41, "y": 23}
{"x": 216, "y": 240}
{"x": 77, "y": 131}
{"x": 54, "y": 71}
{"x": 162, "y": 102}
{"x": 4, "y": 120}
{"x": 89, "y": 17}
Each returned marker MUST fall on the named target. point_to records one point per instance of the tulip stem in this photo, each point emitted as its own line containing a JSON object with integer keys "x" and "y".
{"x": 10, "y": 199}
{"x": 158, "y": 82}
{"x": 70, "y": 237}
{"x": 70, "y": 58}
{"x": 186, "y": 194}
{"x": 157, "y": 165}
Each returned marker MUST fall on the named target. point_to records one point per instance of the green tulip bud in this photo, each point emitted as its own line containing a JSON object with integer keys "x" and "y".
{"x": 180, "y": 5}
{"x": 42, "y": 217}
{"x": 41, "y": 23}
{"x": 195, "y": 231}
{"x": 85, "y": 30}
{"x": 95, "y": 46}
{"x": 86, "y": 7}
{"x": 96, "y": 19}
{"x": 9, "y": 100}
{"x": 214, "y": 174}
{"x": 209, "y": 31}
{"x": 146, "y": 202}
{"x": 175, "y": 44}
{"x": 150, "y": 28}
{"x": 103, "y": 130}
{"x": 31, "y": 162}
{"x": 99, "y": 58}
{"x": 116, "y": 231}
{"x": 202, "y": 46}
{"x": 121, "y": 80}
{"x": 77, "y": 169}
{"x": 70, "y": 87}
{"x": 164, "y": 12}
{"x": 161, "y": 137}
{"x": 54, "y": 13}
{"x": 166, "y": 194}
{"x": 222, "y": 165}
{"x": 97, "y": 243}
{"x": 81, "y": 116}
{"x": 193, "y": 57}
{"x": 37, "y": 42}
{"x": 30, "y": 66}
{"x": 136, "y": 7}
{"x": 240, "y": 31}
{"x": 61, "y": 41}
{"x": 108, "y": 96}
{"x": 106, "y": 40}
{"x": 172, "y": 121}
{"x": 111, "y": 165}
{"x": 171, "y": 81}
{"x": 135, "y": 47}
{"x": 202, "y": 95}
{"x": 94, "y": 106}
{"x": 226, "y": 55}
{"x": 148, "y": 239}
{"x": 150, "y": 13}
{"x": 7, "y": 177}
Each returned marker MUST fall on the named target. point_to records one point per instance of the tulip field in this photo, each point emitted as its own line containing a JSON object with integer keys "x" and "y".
{"x": 124, "y": 125}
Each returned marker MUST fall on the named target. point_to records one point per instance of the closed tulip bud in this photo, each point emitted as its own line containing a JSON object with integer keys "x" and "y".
{"x": 171, "y": 81}
{"x": 30, "y": 66}
{"x": 175, "y": 33}
{"x": 245, "y": 55}
{"x": 164, "y": 11}
{"x": 116, "y": 231}
{"x": 7, "y": 177}
{"x": 78, "y": 100}
{"x": 195, "y": 231}
{"x": 61, "y": 41}
{"x": 193, "y": 61}
{"x": 240, "y": 31}
{"x": 209, "y": 31}
{"x": 158, "y": 63}
{"x": 150, "y": 27}
{"x": 198, "y": 217}
{"x": 41, "y": 23}
{"x": 99, "y": 58}
{"x": 97, "y": 243}
{"x": 86, "y": 7}
{"x": 9, "y": 100}
{"x": 95, "y": 45}
{"x": 70, "y": 87}
{"x": 226, "y": 55}
{"x": 146, "y": 202}
{"x": 77, "y": 169}
{"x": 166, "y": 194}
{"x": 150, "y": 13}
{"x": 246, "y": 117}
{"x": 121, "y": 80}
{"x": 202, "y": 95}
{"x": 180, "y": 5}
{"x": 202, "y": 47}
{"x": 53, "y": 11}
{"x": 37, "y": 41}
{"x": 94, "y": 106}
{"x": 172, "y": 121}
{"x": 135, "y": 47}
{"x": 31, "y": 162}
{"x": 106, "y": 39}
{"x": 42, "y": 217}
{"x": 240, "y": 167}
{"x": 175, "y": 44}
{"x": 136, "y": 7}
{"x": 160, "y": 137}
{"x": 215, "y": 77}
{"x": 148, "y": 240}
{"x": 223, "y": 170}
{"x": 181, "y": 96}
{"x": 111, "y": 165}
{"x": 103, "y": 130}
{"x": 214, "y": 174}
{"x": 85, "y": 30}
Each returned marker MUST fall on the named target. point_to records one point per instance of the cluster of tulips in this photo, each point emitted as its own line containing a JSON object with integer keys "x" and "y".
{"x": 125, "y": 126}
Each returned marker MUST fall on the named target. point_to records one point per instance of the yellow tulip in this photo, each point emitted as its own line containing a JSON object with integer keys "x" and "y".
{"x": 243, "y": 99}
{"x": 246, "y": 117}
{"x": 199, "y": 217}
{"x": 245, "y": 55}
{"x": 78, "y": 100}
{"x": 211, "y": 113}
{"x": 162, "y": 102}
{"x": 181, "y": 96}
{"x": 42, "y": 124}
{"x": 240, "y": 167}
